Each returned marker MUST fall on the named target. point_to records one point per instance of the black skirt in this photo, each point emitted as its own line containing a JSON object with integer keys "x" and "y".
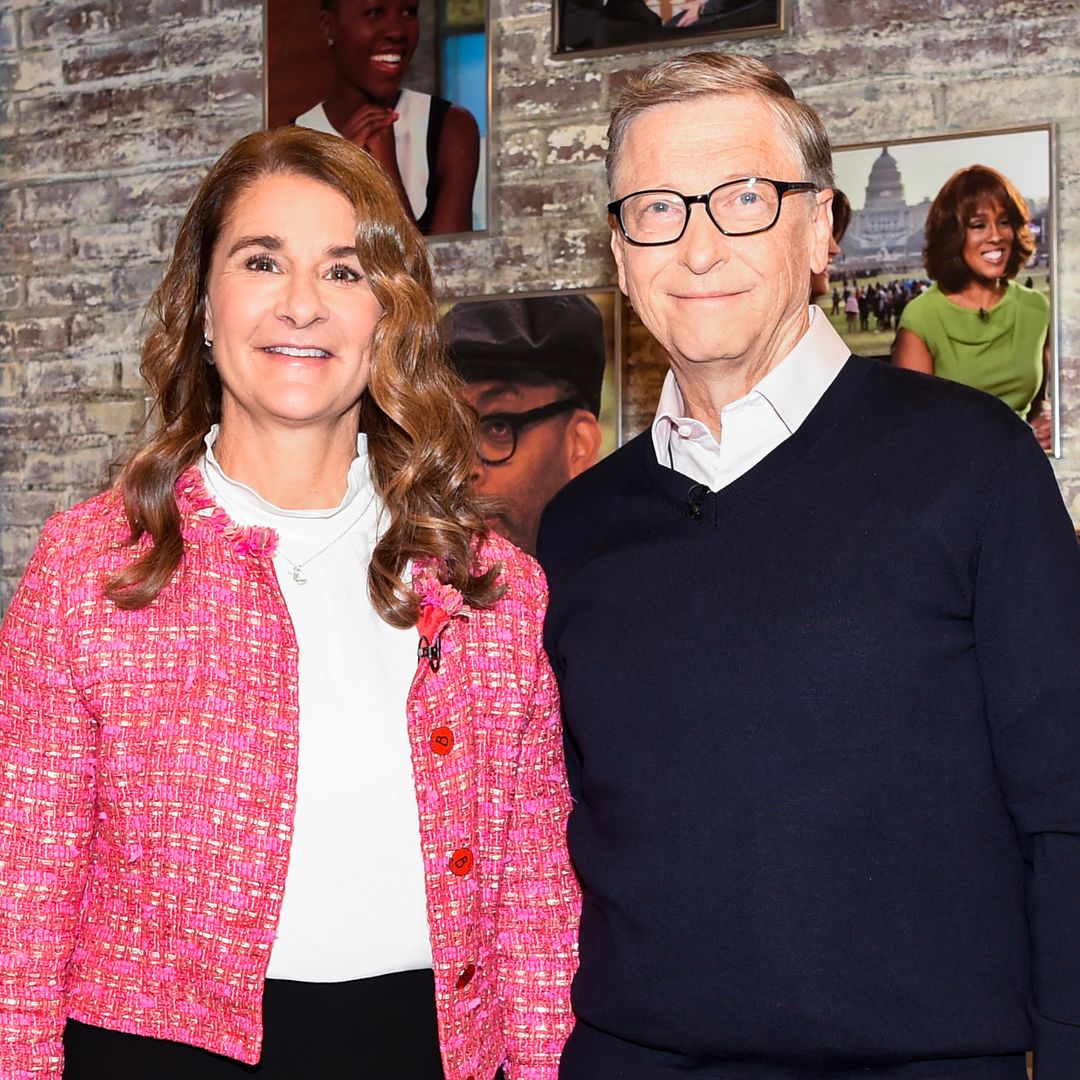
{"x": 370, "y": 1029}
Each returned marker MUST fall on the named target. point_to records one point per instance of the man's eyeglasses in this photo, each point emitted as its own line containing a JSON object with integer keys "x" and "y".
{"x": 498, "y": 432}
{"x": 737, "y": 208}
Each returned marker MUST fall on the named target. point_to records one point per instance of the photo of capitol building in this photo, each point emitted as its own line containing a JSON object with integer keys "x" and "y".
{"x": 887, "y": 231}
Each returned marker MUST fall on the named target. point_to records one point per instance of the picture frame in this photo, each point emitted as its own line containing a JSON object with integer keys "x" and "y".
{"x": 610, "y": 27}
{"x": 440, "y": 70}
{"x": 543, "y": 371}
{"x": 891, "y": 185}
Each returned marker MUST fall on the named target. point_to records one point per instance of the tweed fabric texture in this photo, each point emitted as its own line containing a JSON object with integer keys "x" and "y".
{"x": 149, "y": 777}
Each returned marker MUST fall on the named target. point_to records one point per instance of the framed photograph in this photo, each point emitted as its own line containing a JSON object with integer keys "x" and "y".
{"x": 881, "y": 268}
{"x": 542, "y": 370}
{"x": 409, "y": 82}
{"x": 617, "y": 26}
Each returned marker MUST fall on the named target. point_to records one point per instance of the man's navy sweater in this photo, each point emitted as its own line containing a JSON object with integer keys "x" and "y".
{"x": 823, "y": 732}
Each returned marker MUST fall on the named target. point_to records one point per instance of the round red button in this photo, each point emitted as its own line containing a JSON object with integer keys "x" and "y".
{"x": 461, "y": 862}
{"x": 466, "y": 975}
{"x": 442, "y": 740}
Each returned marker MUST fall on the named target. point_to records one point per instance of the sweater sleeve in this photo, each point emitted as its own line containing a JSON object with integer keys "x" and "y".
{"x": 539, "y": 904}
{"x": 46, "y": 802}
{"x": 1027, "y": 627}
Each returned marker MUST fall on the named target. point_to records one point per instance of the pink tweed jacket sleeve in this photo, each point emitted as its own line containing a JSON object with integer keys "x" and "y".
{"x": 46, "y": 764}
{"x": 149, "y": 760}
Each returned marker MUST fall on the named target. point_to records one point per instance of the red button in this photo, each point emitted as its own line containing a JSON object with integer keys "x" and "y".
{"x": 442, "y": 740}
{"x": 466, "y": 975}
{"x": 461, "y": 862}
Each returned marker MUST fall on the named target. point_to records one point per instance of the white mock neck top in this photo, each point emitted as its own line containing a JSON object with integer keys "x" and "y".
{"x": 354, "y": 902}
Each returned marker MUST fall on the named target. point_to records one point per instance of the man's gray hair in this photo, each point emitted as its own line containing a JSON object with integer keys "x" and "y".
{"x": 703, "y": 74}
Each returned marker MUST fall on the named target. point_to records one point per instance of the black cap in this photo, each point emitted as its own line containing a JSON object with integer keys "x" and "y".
{"x": 530, "y": 339}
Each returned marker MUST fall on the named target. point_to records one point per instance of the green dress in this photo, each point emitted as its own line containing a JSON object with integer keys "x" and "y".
{"x": 1000, "y": 351}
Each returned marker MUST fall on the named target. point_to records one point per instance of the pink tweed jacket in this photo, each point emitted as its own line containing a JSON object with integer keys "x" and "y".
{"x": 148, "y": 764}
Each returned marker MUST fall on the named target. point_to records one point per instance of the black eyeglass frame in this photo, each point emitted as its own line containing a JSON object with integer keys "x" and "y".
{"x": 519, "y": 420}
{"x": 783, "y": 187}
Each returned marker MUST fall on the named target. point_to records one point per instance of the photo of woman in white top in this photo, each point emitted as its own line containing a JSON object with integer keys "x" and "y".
{"x": 428, "y": 147}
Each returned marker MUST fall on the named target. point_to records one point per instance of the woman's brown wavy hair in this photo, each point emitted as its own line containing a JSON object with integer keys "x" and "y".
{"x": 961, "y": 196}
{"x": 420, "y": 434}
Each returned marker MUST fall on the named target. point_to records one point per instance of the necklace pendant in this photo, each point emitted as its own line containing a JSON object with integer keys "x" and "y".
{"x": 297, "y": 576}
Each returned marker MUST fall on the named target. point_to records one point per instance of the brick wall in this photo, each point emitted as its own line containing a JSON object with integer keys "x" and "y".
{"x": 111, "y": 110}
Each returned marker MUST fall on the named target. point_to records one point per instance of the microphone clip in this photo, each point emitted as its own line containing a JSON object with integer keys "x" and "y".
{"x": 695, "y": 499}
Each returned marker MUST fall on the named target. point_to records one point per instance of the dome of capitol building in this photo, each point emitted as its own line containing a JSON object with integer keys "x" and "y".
{"x": 885, "y": 187}
{"x": 886, "y": 231}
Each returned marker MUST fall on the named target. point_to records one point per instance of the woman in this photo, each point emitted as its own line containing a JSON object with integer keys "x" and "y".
{"x": 428, "y": 148}
{"x": 851, "y": 310}
{"x": 975, "y": 325}
{"x": 236, "y": 803}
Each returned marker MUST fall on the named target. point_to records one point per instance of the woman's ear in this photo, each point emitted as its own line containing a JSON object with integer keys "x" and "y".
{"x": 326, "y": 25}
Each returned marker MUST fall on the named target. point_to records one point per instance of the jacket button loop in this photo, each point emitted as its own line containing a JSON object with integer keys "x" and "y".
{"x": 461, "y": 862}
{"x": 442, "y": 741}
{"x": 466, "y": 975}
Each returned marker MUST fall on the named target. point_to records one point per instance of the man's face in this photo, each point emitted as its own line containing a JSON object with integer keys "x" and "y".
{"x": 540, "y": 466}
{"x": 708, "y": 298}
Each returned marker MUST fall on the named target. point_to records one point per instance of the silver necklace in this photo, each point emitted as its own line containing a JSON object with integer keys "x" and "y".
{"x": 296, "y": 568}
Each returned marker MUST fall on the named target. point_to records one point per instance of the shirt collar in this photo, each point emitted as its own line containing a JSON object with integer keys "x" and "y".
{"x": 792, "y": 388}
{"x": 797, "y": 383}
{"x": 248, "y": 507}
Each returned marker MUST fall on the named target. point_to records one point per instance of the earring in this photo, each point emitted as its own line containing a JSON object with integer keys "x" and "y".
{"x": 209, "y": 345}
{"x": 330, "y": 42}
{"x": 207, "y": 342}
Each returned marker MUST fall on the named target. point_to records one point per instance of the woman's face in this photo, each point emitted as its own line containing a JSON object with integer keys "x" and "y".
{"x": 373, "y": 42}
{"x": 988, "y": 241}
{"x": 288, "y": 308}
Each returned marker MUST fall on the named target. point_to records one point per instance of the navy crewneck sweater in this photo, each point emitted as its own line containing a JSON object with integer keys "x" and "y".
{"x": 824, "y": 744}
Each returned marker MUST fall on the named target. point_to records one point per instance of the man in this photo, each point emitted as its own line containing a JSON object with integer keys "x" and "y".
{"x": 816, "y": 634}
{"x": 533, "y": 367}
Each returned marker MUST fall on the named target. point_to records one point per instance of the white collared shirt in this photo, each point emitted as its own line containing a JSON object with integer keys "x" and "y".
{"x": 755, "y": 424}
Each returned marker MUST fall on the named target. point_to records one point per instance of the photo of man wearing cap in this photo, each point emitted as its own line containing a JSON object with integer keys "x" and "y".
{"x": 533, "y": 368}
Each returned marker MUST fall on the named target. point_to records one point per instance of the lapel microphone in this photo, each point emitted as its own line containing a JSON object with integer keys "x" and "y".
{"x": 984, "y": 314}
{"x": 695, "y": 499}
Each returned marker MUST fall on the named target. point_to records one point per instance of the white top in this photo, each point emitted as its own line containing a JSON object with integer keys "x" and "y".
{"x": 354, "y": 901}
{"x": 755, "y": 424}
{"x": 410, "y": 142}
